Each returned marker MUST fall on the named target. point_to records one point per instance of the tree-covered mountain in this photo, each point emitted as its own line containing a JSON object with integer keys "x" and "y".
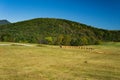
{"x": 55, "y": 31}
{"x": 2, "y": 22}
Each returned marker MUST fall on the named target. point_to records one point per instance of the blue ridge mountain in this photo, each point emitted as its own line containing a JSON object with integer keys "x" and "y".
{"x": 2, "y": 22}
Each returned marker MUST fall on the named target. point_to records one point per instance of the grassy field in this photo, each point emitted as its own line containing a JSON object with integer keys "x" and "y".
{"x": 19, "y": 62}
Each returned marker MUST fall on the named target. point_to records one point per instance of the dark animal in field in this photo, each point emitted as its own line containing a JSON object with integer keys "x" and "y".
{"x": 78, "y": 47}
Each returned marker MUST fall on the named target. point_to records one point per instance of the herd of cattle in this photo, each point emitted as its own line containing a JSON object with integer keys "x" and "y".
{"x": 78, "y": 47}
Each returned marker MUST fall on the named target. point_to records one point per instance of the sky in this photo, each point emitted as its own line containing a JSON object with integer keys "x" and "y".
{"x": 103, "y": 14}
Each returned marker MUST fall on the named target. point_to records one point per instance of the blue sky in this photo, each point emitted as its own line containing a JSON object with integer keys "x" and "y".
{"x": 99, "y": 13}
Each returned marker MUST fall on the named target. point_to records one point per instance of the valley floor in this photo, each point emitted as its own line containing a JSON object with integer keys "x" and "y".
{"x": 44, "y": 62}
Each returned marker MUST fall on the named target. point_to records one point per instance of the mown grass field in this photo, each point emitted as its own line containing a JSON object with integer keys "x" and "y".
{"x": 53, "y": 63}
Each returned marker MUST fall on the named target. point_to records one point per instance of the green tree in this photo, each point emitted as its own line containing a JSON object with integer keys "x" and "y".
{"x": 49, "y": 40}
{"x": 60, "y": 39}
{"x": 67, "y": 40}
{"x": 84, "y": 40}
{"x": 74, "y": 42}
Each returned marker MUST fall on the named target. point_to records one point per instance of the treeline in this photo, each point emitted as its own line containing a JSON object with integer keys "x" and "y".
{"x": 55, "y": 31}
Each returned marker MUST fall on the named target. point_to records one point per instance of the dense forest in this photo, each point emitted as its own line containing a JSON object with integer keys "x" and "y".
{"x": 56, "y": 32}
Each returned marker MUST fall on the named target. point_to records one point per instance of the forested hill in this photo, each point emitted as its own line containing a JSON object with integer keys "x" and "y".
{"x": 2, "y": 22}
{"x": 55, "y": 31}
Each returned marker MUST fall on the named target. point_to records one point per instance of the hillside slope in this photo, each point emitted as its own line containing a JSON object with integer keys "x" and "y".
{"x": 55, "y": 31}
{"x": 2, "y": 22}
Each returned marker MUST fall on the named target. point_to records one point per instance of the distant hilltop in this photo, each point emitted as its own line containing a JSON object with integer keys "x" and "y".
{"x": 56, "y": 32}
{"x": 2, "y": 22}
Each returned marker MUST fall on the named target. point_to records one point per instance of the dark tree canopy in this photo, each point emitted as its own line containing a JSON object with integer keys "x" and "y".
{"x": 55, "y": 31}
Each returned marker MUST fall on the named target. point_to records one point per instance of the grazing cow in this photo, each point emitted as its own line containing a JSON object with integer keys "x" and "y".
{"x": 77, "y": 47}
{"x": 60, "y": 46}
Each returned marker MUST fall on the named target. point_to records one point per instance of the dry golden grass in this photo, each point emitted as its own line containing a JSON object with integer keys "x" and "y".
{"x": 53, "y": 63}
